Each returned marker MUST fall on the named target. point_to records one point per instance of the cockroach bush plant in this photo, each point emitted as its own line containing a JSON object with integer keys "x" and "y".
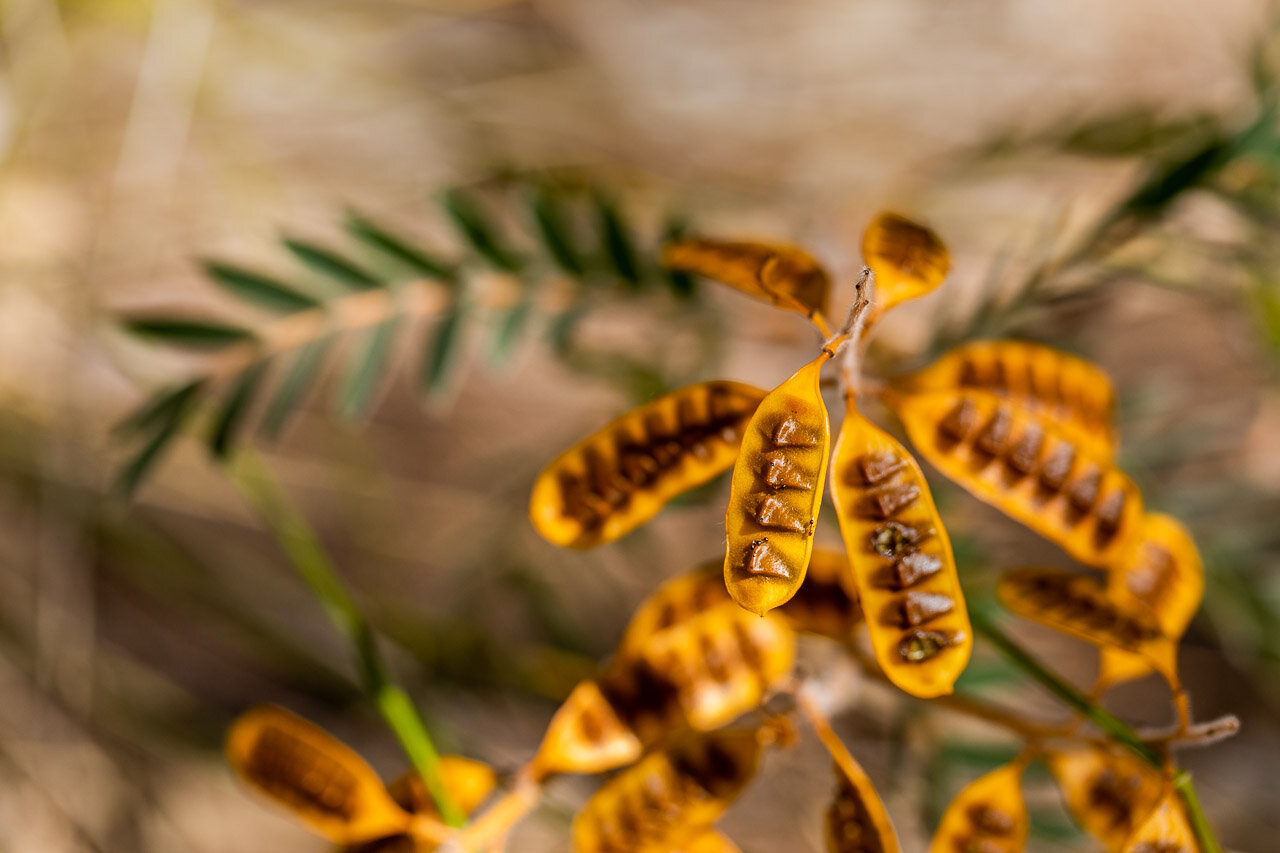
{"x": 1022, "y": 427}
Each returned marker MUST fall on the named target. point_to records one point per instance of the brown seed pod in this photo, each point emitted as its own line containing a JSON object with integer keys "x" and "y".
{"x": 610, "y": 483}
{"x": 1107, "y": 791}
{"x": 314, "y": 775}
{"x": 1077, "y": 604}
{"x": 1165, "y": 830}
{"x": 672, "y": 797}
{"x": 1164, "y": 577}
{"x": 777, "y": 492}
{"x": 902, "y": 563}
{"x": 1074, "y": 393}
{"x": 907, "y": 258}
{"x": 783, "y": 275}
{"x": 1027, "y": 466}
{"x": 987, "y": 816}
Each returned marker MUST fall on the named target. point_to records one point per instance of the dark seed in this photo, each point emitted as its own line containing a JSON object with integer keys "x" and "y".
{"x": 879, "y": 466}
{"x": 893, "y": 538}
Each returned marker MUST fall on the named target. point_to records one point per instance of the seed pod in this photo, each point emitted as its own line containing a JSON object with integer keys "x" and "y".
{"x": 1074, "y": 393}
{"x": 857, "y": 821}
{"x": 586, "y": 735}
{"x": 1107, "y": 791}
{"x": 314, "y": 775}
{"x": 1025, "y": 465}
{"x": 615, "y": 480}
{"x": 1165, "y": 577}
{"x": 777, "y": 492}
{"x": 987, "y": 816}
{"x": 469, "y": 784}
{"x": 908, "y": 259}
{"x": 1165, "y": 830}
{"x": 711, "y": 842}
{"x": 783, "y": 275}
{"x": 901, "y": 557}
{"x": 1077, "y": 604}
{"x": 671, "y": 797}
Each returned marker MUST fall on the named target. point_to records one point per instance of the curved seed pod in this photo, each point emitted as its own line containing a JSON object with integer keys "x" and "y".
{"x": 610, "y": 483}
{"x": 987, "y": 816}
{"x": 1073, "y": 392}
{"x": 908, "y": 259}
{"x": 857, "y": 821}
{"x": 783, "y": 275}
{"x": 468, "y": 782}
{"x": 671, "y": 798}
{"x": 586, "y": 735}
{"x": 1077, "y": 604}
{"x": 1027, "y": 466}
{"x": 777, "y": 492}
{"x": 1108, "y": 792}
{"x": 1165, "y": 830}
{"x": 1166, "y": 578}
{"x": 314, "y": 775}
{"x": 902, "y": 561}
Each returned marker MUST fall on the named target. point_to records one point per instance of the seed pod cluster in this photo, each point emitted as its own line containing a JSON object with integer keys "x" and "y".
{"x": 1074, "y": 393}
{"x": 1027, "y": 466}
{"x": 777, "y": 492}
{"x": 671, "y": 798}
{"x": 1165, "y": 830}
{"x": 1108, "y": 791}
{"x": 1165, "y": 578}
{"x": 907, "y": 258}
{"x": 857, "y": 821}
{"x": 901, "y": 556}
{"x": 988, "y": 815}
{"x": 783, "y": 275}
{"x": 615, "y": 480}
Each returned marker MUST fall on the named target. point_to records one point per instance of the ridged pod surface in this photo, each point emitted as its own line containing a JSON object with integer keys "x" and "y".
{"x": 777, "y": 492}
{"x": 783, "y": 275}
{"x": 907, "y": 258}
{"x": 903, "y": 567}
{"x": 1165, "y": 829}
{"x": 610, "y": 483}
{"x": 314, "y": 775}
{"x": 1077, "y": 604}
{"x": 1164, "y": 578}
{"x": 989, "y": 816}
{"x": 1073, "y": 392}
{"x": 1108, "y": 791}
{"x": 671, "y": 798}
{"x": 1027, "y": 466}
{"x": 857, "y": 821}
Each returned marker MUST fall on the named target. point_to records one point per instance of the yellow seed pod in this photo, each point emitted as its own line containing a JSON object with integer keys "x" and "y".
{"x": 671, "y": 798}
{"x": 908, "y": 260}
{"x": 1073, "y": 392}
{"x": 1165, "y": 577}
{"x": 777, "y": 492}
{"x": 1027, "y": 466}
{"x": 1165, "y": 830}
{"x": 783, "y": 275}
{"x": 314, "y": 775}
{"x": 1077, "y": 604}
{"x": 988, "y": 815}
{"x": 610, "y": 483}
{"x": 857, "y": 821}
{"x": 711, "y": 842}
{"x": 468, "y": 782}
{"x": 901, "y": 557}
{"x": 1107, "y": 791}
{"x": 675, "y": 602}
{"x": 586, "y": 735}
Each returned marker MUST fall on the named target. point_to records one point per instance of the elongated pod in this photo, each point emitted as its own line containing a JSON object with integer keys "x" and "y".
{"x": 777, "y": 492}
{"x": 314, "y": 775}
{"x": 1108, "y": 791}
{"x": 1027, "y": 466}
{"x": 902, "y": 563}
{"x": 1071, "y": 391}
{"x": 783, "y": 275}
{"x": 989, "y": 815}
{"x": 610, "y": 483}
{"x": 907, "y": 258}
{"x": 1165, "y": 830}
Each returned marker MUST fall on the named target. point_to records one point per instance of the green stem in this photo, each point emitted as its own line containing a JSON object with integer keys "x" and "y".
{"x": 1107, "y": 722}
{"x": 299, "y": 542}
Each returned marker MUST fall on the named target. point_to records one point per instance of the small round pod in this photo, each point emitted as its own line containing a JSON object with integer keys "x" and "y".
{"x": 907, "y": 258}
{"x": 1108, "y": 791}
{"x": 988, "y": 815}
{"x": 613, "y": 481}
{"x": 314, "y": 775}
{"x": 586, "y": 735}
{"x": 1165, "y": 830}
{"x": 901, "y": 557}
{"x": 1027, "y": 466}
{"x": 671, "y": 798}
{"x": 777, "y": 492}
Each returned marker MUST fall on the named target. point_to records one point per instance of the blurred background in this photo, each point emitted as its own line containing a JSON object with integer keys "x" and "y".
{"x": 1104, "y": 173}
